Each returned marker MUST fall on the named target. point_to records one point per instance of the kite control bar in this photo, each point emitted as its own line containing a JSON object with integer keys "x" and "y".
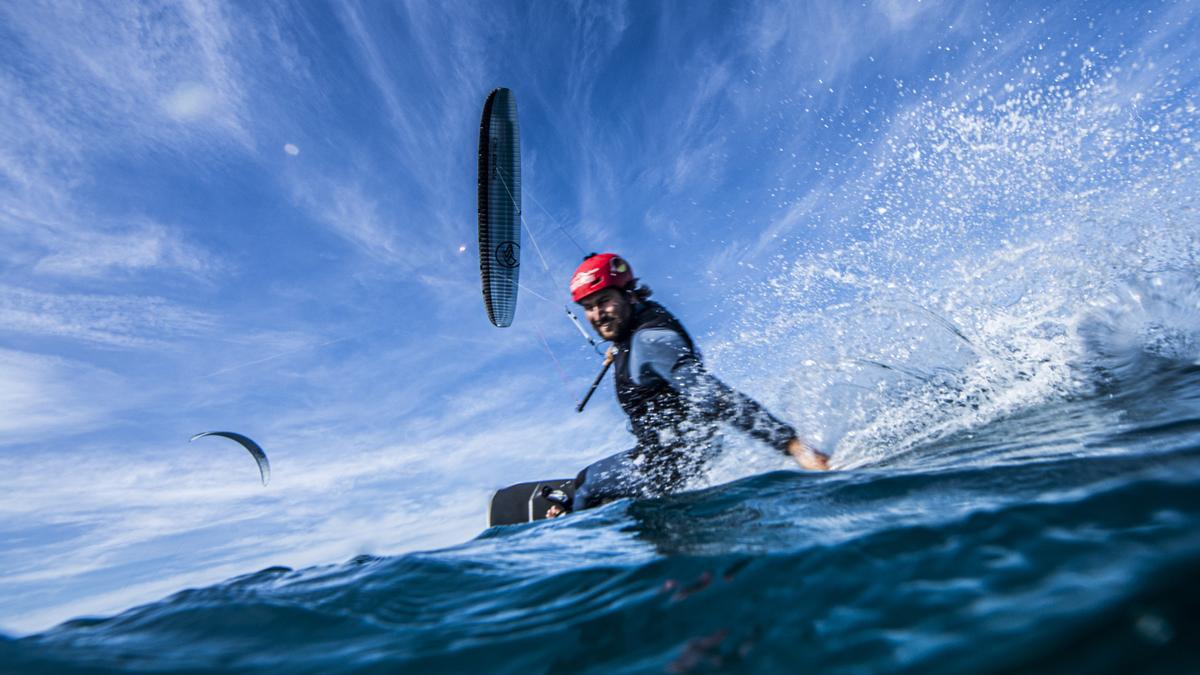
{"x": 596, "y": 383}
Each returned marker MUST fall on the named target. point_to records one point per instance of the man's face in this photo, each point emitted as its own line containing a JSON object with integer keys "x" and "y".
{"x": 608, "y": 311}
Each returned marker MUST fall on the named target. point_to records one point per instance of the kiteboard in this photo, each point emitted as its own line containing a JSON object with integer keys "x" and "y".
{"x": 525, "y": 502}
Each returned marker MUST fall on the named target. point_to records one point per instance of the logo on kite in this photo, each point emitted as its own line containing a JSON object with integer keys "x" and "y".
{"x": 508, "y": 254}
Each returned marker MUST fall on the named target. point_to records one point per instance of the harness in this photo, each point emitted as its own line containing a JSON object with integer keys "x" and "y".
{"x": 671, "y": 433}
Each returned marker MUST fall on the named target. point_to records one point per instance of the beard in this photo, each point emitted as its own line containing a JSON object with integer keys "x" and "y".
{"x": 609, "y": 329}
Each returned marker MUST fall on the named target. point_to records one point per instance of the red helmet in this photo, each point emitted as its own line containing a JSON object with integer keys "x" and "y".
{"x": 598, "y": 272}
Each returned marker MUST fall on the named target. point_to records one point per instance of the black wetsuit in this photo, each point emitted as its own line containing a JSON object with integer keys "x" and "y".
{"x": 674, "y": 407}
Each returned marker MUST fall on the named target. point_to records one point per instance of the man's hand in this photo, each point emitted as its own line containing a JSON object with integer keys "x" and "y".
{"x": 808, "y": 458}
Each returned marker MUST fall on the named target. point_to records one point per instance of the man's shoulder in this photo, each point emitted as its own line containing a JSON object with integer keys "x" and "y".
{"x": 662, "y": 345}
{"x": 653, "y": 315}
{"x": 657, "y": 335}
{"x": 652, "y": 307}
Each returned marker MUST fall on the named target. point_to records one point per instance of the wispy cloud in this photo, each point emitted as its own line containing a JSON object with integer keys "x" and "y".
{"x": 107, "y": 320}
{"x": 347, "y": 210}
{"x": 129, "y": 76}
{"x": 430, "y": 108}
{"x": 144, "y": 247}
{"x": 85, "y": 89}
{"x": 43, "y": 395}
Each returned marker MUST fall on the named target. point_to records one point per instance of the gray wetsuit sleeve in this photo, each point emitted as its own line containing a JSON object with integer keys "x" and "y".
{"x": 663, "y": 354}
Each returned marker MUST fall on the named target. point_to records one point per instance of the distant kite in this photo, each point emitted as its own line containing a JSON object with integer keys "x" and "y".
{"x": 264, "y": 466}
{"x": 500, "y": 206}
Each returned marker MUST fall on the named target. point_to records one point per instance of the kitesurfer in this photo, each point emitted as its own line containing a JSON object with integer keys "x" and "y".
{"x": 673, "y": 403}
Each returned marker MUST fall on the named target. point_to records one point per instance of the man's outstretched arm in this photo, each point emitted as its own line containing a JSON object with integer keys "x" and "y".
{"x": 748, "y": 415}
{"x": 663, "y": 353}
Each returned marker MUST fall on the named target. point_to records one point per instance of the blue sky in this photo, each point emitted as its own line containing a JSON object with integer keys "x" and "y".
{"x": 260, "y": 217}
